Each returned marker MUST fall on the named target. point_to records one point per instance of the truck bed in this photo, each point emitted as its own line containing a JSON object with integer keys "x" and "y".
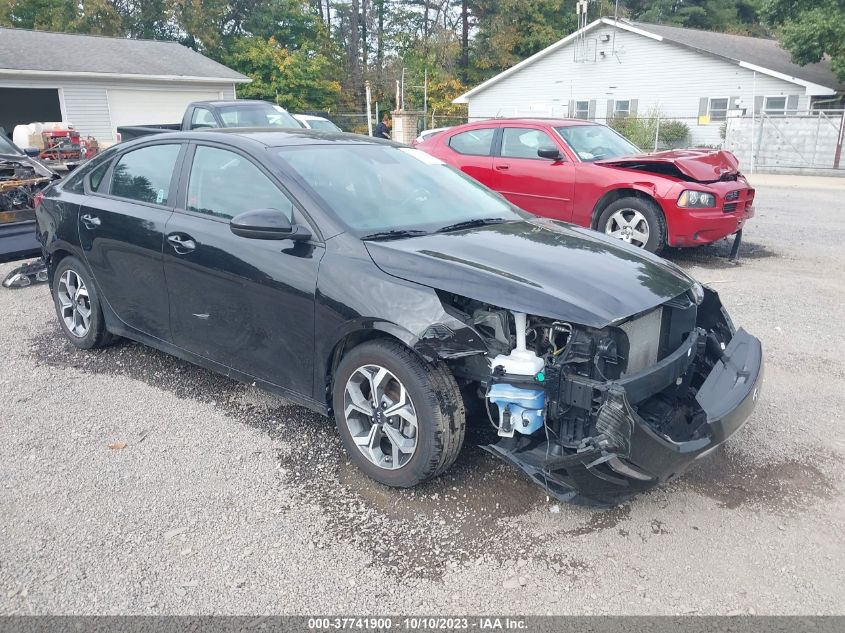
{"x": 129, "y": 132}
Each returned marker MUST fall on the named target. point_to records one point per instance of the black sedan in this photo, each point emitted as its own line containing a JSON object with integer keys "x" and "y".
{"x": 372, "y": 282}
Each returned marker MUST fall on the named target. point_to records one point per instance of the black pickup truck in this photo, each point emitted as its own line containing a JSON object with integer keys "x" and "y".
{"x": 215, "y": 114}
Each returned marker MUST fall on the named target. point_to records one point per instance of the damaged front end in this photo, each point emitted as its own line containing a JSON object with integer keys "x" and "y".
{"x": 597, "y": 415}
{"x": 21, "y": 181}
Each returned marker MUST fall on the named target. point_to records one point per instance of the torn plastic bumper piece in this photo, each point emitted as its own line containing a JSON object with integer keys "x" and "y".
{"x": 627, "y": 455}
{"x": 26, "y": 275}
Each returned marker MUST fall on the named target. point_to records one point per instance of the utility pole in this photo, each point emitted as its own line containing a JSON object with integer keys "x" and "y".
{"x": 369, "y": 117}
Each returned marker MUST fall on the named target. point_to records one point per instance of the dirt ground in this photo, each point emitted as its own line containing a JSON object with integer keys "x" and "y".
{"x": 230, "y": 500}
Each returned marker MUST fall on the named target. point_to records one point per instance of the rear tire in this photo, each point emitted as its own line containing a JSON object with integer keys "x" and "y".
{"x": 406, "y": 389}
{"x": 78, "y": 305}
{"x": 637, "y": 221}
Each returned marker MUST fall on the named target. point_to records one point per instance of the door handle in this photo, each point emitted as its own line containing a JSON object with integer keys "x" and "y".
{"x": 182, "y": 244}
{"x": 89, "y": 221}
{"x": 503, "y": 167}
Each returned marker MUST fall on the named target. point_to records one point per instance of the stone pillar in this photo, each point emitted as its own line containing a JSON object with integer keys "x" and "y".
{"x": 404, "y": 126}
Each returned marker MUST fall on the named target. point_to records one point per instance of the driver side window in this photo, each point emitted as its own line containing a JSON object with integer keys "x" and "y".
{"x": 520, "y": 142}
{"x": 212, "y": 190}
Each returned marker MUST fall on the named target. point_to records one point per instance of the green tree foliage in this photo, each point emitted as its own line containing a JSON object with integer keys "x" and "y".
{"x": 810, "y": 30}
{"x": 736, "y": 16}
{"x": 297, "y": 80}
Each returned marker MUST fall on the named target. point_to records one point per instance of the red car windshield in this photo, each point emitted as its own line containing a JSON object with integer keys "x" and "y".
{"x": 596, "y": 142}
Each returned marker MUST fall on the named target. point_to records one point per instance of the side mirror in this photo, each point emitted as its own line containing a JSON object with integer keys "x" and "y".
{"x": 267, "y": 224}
{"x": 32, "y": 152}
{"x": 552, "y": 153}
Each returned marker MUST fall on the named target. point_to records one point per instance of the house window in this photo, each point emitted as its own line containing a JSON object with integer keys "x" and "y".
{"x": 774, "y": 105}
{"x": 622, "y": 108}
{"x": 582, "y": 110}
{"x": 717, "y": 109}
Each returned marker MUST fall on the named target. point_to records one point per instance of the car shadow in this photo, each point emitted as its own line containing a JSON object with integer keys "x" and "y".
{"x": 717, "y": 255}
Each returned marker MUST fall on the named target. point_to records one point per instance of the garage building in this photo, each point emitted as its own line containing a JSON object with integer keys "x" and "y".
{"x": 99, "y": 83}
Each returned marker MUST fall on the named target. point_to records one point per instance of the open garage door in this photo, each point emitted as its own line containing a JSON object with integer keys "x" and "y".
{"x": 19, "y": 106}
{"x": 139, "y": 107}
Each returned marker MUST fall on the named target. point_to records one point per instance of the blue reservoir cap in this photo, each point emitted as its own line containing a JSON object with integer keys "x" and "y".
{"x": 540, "y": 376}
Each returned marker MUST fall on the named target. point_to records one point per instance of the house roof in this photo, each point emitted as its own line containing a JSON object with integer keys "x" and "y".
{"x": 754, "y": 53}
{"x": 25, "y": 52}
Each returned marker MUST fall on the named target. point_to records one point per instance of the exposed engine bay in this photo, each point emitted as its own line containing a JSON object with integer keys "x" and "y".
{"x": 21, "y": 179}
{"x": 595, "y": 415}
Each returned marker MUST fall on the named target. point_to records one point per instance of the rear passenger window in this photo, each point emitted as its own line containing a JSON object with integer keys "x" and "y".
{"x": 211, "y": 190}
{"x": 144, "y": 174}
{"x": 474, "y": 142}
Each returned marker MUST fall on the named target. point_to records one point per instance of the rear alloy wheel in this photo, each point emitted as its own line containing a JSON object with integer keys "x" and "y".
{"x": 635, "y": 221}
{"x": 401, "y": 420}
{"x": 78, "y": 305}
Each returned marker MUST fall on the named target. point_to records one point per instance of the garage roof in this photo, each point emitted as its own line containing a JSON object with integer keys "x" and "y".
{"x": 45, "y": 53}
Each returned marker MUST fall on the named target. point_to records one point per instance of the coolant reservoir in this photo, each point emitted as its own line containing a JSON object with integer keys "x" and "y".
{"x": 521, "y": 408}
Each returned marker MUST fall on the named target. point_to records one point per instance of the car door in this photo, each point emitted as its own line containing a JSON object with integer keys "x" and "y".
{"x": 244, "y": 303}
{"x": 539, "y": 185}
{"x": 471, "y": 151}
{"x": 121, "y": 232}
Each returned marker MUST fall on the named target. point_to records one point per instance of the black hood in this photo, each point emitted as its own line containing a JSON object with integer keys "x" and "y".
{"x": 540, "y": 267}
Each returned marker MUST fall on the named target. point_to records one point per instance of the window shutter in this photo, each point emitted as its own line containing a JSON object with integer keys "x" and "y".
{"x": 591, "y": 113}
{"x": 758, "y": 105}
{"x": 792, "y": 104}
{"x": 609, "y": 114}
{"x": 632, "y": 107}
{"x": 702, "y": 106}
{"x": 572, "y": 112}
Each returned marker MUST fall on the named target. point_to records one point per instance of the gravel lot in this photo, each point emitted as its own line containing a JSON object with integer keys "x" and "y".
{"x": 229, "y": 500}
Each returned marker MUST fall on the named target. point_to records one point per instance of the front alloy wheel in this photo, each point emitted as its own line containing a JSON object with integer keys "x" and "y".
{"x": 380, "y": 416}
{"x": 401, "y": 419}
{"x": 628, "y": 225}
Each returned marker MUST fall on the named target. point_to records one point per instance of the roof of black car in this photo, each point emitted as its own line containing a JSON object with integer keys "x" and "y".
{"x": 292, "y": 136}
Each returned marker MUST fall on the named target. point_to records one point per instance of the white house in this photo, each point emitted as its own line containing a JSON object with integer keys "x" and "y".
{"x": 618, "y": 67}
{"x": 98, "y": 83}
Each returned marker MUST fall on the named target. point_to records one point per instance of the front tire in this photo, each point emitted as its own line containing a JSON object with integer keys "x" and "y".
{"x": 635, "y": 221}
{"x": 401, "y": 421}
{"x": 78, "y": 305}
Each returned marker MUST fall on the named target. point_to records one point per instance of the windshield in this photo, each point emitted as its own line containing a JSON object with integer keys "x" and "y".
{"x": 322, "y": 124}
{"x": 257, "y": 115}
{"x": 378, "y": 188}
{"x": 595, "y": 142}
{"x": 7, "y": 147}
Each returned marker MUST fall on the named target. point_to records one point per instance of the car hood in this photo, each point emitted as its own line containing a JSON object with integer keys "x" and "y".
{"x": 692, "y": 164}
{"x": 541, "y": 267}
{"x": 21, "y": 159}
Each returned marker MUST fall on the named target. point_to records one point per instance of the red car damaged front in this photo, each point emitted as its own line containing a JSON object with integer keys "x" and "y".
{"x": 708, "y": 198}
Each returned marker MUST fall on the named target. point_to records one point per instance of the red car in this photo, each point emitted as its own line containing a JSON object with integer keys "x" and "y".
{"x": 585, "y": 173}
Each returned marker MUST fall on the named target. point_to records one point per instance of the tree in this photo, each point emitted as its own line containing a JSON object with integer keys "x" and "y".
{"x": 298, "y": 80}
{"x": 811, "y": 30}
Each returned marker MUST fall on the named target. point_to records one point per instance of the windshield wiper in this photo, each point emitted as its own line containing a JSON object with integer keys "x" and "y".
{"x": 468, "y": 224}
{"x": 394, "y": 234}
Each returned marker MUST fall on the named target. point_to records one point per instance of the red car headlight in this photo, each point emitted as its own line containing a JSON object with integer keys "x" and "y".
{"x": 691, "y": 199}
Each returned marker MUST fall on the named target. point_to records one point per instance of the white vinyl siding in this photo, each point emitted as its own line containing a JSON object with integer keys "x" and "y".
{"x": 87, "y": 108}
{"x": 657, "y": 75}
